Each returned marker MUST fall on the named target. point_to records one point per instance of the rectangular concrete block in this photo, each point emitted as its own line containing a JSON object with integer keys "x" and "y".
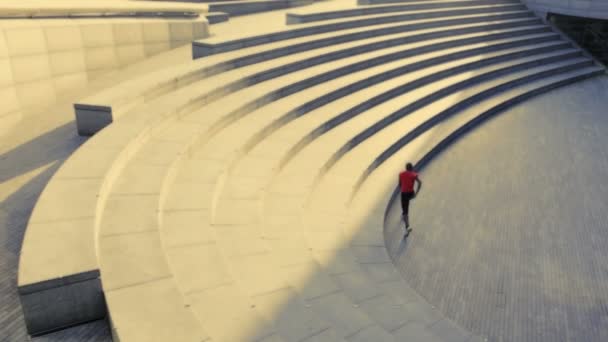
{"x": 62, "y": 38}
{"x": 156, "y": 31}
{"x": 6, "y": 73}
{"x": 3, "y": 46}
{"x": 31, "y": 68}
{"x": 70, "y": 82}
{"x": 94, "y": 74}
{"x": 62, "y": 302}
{"x": 24, "y": 41}
{"x": 128, "y": 54}
{"x": 44, "y": 91}
{"x": 128, "y": 33}
{"x": 92, "y": 119}
{"x": 67, "y": 62}
{"x": 152, "y": 48}
{"x": 200, "y": 29}
{"x": 101, "y": 57}
{"x": 10, "y": 102}
{"x": 8, "y": 121}
{"x": 97, "y": 35}
{"x": 181, "y": 30}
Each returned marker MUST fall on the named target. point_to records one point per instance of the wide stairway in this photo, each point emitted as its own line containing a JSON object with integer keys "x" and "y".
{"x": 241, "y": 196}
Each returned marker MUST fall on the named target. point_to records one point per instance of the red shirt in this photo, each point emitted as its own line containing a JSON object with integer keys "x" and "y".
{"x": 406, "y": 180}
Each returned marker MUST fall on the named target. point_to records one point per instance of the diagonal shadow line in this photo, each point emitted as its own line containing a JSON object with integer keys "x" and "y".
{"x": 54, "y": 145}
{"x": 18, "y": 207}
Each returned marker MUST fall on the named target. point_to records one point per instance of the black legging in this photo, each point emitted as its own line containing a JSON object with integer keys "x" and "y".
{"x": 405, "y": 202}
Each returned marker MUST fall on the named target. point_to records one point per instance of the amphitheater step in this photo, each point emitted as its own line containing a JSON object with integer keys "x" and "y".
{"x": 217, "y": 17}
{"x": 306, "y": 16}
{"x": 224, "y": 202}
{"x": 381, "y": 2}
{"x": 95, "y": 113}
{"x": 242, "y": 7}
{"x": 219, "y": 45}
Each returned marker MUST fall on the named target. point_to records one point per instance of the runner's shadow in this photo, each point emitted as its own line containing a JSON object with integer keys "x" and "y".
{"x": 394, "y": 234}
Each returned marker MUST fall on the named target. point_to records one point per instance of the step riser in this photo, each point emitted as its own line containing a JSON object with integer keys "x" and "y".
{"x": 461, "y": 106}
{"x": 248, "y": 60}
{"x": 399, "y": 91}
{"x": 354, "y": 87}
{"x": 482, "y": 118}
{"x": 94, "y": 119}
{"x": 293, "y": 18}
{"x": 284, "y": 70}
{"x": 381, "y": 2}
{"x": 307, "y": 83}
{"x": 237, "y": 9}
{"x": 201, "y": 49}
{"x": 479, "y": 120}
{"x": 290, "y": 90}
{"x": 214, "y": 18}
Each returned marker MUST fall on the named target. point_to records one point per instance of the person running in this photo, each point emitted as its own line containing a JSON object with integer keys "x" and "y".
{"x": 407, "y": 179}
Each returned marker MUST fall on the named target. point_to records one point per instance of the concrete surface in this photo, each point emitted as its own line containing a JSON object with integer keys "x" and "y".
{"x": 248, "y": 205}
{"x": 30, "y": 154}
{"x": 509, "y": 229}
{"x": 52, "y": 58}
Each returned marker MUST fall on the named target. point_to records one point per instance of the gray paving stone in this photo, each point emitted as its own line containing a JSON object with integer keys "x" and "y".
{"x": 516, "y": 257}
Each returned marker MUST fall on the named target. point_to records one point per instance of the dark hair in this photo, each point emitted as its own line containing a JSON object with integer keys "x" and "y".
{"x": 409, "y": 166}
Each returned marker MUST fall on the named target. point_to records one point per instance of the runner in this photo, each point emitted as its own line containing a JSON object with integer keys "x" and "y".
{"x": 407, "y": 179}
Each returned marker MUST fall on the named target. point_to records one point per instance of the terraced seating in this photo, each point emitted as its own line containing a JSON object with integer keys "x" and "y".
{"x": 98, "y": 111}
{"x": 244, "y": 198}
{"x": 313, "y": 15}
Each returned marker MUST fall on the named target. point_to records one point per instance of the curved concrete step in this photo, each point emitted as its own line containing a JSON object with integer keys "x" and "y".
{"x": 199, "y": 200}
{"x": 312, "y": 15}
{"x": 96, "y": 112}
{"x": 278, "y": 207}
{"x": 112, "y": 140}
{"x": 243, "y": 7}
{"x": 364, "y": 229}
{"x": 221, "y": 45}
{"x": 221, "y": 125}
{"x": 380, "y": 2}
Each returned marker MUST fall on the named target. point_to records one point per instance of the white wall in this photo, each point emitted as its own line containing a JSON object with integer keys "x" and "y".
{"x": 44, "y": 58}
{"x": 581, "y": 8}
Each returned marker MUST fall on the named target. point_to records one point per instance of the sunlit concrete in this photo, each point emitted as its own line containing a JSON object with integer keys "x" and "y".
{"x": 241, "y": 196}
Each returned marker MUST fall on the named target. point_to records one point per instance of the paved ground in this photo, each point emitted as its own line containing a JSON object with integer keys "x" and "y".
{"x": 511, "y": 233}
